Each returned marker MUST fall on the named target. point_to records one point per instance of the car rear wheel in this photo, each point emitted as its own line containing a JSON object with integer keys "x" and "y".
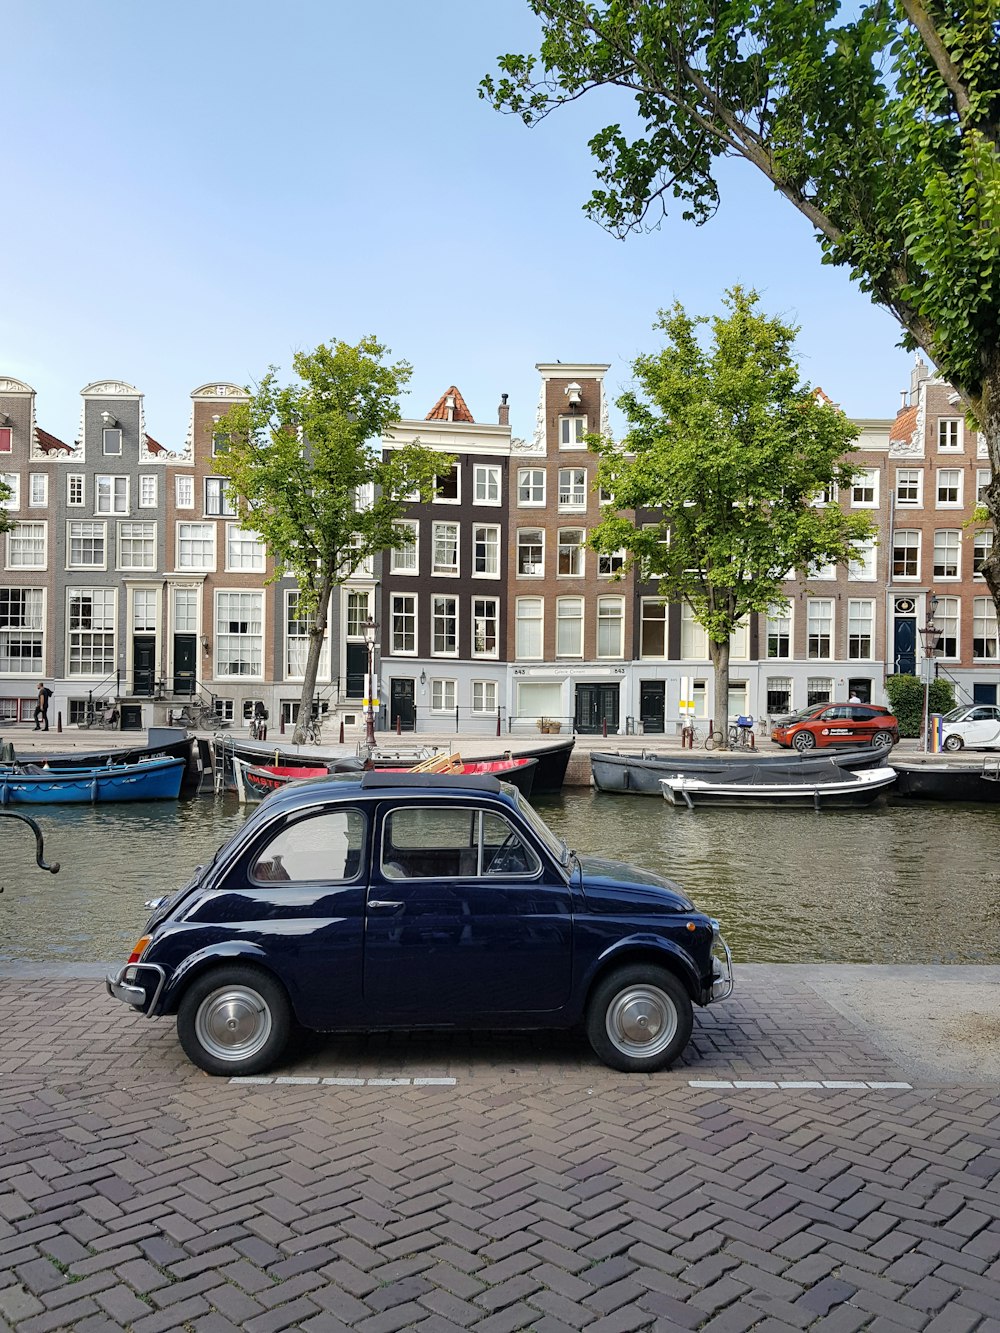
{"x": 883, "y": 740}
{"x": 804, "y": 740}
{"x": 639, "y": 1019}
{"x": 234, "y": 1021}
{"x": 953, "y": 742}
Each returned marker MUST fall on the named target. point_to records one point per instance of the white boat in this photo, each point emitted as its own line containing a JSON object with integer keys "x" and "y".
{"x": 815, "y": 791}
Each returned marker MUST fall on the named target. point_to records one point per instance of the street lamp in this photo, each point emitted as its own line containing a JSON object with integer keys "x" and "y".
{"x": 371, "y": 638}
{"x": 931, "y": 636}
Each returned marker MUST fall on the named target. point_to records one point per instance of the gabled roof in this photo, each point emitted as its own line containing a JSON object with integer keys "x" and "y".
{"x": 459, "y": 411}
{"x": 154, "y": 446}
{"x": 901, "y": 430}
{"x": 49, "y": 443}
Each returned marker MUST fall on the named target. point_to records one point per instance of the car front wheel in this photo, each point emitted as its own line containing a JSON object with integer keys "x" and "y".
{"x": 804, "y": 740}
{"x": 883, "y": 740}
{"x": 639, "y": 1019}
{"x": 953, "y": 742}
{"x": 234, "y": 1021}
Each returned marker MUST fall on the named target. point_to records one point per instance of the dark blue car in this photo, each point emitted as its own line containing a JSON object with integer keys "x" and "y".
{"x": 405, "y": 901}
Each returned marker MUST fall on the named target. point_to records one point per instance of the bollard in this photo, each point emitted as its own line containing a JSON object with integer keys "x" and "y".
{"x": 753, "y": 741}
{"x": 341, "y": 731}
{"x": 604, "y": 727}
{"x": 498, "y": 721}
{"x": 399, "y": 724}
{"x": 59, "y": 720}
{"x": 281, "y": 729}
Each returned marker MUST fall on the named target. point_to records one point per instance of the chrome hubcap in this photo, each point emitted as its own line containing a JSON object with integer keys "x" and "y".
{"x": 641, "y": 1021}
{"x": 233, "y": 1024}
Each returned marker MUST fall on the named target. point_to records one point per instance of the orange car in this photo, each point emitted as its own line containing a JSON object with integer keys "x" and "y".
{"x": 837, "y": 724}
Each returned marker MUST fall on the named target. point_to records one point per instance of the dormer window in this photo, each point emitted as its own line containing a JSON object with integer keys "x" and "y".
{"x": 112, "y": 439}
{"x": 446, "y": 487}
{"x": 220, "y": 444}
{"x": 571, "y": 432}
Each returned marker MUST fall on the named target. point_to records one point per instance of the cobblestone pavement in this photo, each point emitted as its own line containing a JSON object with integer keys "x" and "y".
{"x": 533, "y": 1190}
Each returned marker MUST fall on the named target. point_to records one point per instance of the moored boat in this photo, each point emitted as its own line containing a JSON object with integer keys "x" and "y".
{"x": 837, "y": 788}
{"x": 949, "y": 781}
{"x": 642, "y": 772}
{"x": 173, "y": 743}
{"x": 261, "y": 779}
{"x": 146, "y": 780}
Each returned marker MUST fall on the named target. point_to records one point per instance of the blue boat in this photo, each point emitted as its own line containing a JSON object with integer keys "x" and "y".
{"x": 148, "y": 780}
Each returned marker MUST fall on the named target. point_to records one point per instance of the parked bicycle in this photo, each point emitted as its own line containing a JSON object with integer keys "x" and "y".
{"x": 105, "y": 714}
{"x": 312, "y": 732}
{"x": 741, "y": 735}
{"x": 197, "y": 716}
{"x": 258, "y": 723}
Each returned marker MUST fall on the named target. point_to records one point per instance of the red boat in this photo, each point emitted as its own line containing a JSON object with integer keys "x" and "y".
{"x": 262, "y": 779}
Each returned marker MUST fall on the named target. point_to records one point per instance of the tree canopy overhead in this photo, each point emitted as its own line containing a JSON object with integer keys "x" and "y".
{"x": 880, "y": 123}
{"x": 732, "y": 452}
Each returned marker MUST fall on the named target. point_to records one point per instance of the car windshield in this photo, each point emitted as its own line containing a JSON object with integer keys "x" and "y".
{"x": 802, "y": 714}
{"x": 958, "y": 714}
{"x": 554, "y": 844}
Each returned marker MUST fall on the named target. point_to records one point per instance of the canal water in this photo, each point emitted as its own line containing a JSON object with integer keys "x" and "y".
{"x": 897, "y": 883}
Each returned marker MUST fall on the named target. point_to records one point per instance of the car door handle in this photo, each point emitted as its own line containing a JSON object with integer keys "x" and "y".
{"x": 384, "y": 902}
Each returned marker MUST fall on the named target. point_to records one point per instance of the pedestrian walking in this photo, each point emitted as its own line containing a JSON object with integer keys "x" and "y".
{"x": 42, "y": 707}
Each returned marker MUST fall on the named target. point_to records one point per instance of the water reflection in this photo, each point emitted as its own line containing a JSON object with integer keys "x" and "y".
{"x": 895, "y": 883}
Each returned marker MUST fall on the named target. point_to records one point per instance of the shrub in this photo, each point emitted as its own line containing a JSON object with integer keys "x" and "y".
{"x": 906, "y": 699}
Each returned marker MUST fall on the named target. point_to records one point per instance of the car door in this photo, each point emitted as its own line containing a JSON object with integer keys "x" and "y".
{"x": 837, "y": 724}
{"x": 466, "y": 919}
{"x": 982, "y": 726}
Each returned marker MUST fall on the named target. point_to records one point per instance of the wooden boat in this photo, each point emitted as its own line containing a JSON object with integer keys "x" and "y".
{"x": 147, "y": 780}
{"x": 260, "y": 780}
{"x": 172, "y": 746}
{"x": 758, "y": 786}
{"x": 641, "y": 772}
{"x": 949, "y": 781}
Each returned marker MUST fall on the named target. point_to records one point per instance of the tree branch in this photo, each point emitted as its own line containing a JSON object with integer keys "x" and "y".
{"x": 919, "y": 16}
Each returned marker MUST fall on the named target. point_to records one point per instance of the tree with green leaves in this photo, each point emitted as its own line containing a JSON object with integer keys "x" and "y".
{"x": 6, "y": 519}
{"x": 879, "y": 122}
{"x": 732, "y": 452}
{"x": 300, "y": 457}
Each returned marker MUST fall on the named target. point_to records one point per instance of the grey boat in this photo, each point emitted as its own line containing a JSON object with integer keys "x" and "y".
{"x": 837, "y": 789}
{"x": 641, "y": 773}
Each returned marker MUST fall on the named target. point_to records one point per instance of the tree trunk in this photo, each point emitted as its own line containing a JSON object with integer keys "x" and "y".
{"x": 720, "y": 662}
{"x": 312, "y": 661}
{"x": 988, "y": 417}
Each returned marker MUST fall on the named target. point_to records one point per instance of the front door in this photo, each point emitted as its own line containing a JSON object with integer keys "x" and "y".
{"x": 860, "y": 688}
{"x": 904, "y": 643}
{"x": 401, "y": 704}
{"x": 595, "y": 705}
{"x": 357, "y": 668}
{"x": 185, "y": 663}
{"x": 143, "y": 664}
{"x": 652, "y": 694}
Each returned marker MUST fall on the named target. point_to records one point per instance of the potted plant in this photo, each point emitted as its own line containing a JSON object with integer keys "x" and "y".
{"x": 547, "y": 725}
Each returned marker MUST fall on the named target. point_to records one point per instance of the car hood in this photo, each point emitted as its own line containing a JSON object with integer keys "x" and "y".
{"x": 607, "y": 884}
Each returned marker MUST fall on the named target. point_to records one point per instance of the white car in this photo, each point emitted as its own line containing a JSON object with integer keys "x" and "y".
{"x": 971, "y": 727}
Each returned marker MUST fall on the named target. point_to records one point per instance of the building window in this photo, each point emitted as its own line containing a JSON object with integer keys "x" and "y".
{"x": 486, "y": 550}
{"x": 91, "y": 631}
{"x": 909, "y": 483}
{"x": 572, "y": 488}
{"x": 239, "y": 634}
{"x": 779, "y": 695}
{"x": 445, "y": 548}
{"x": 26, "y": 546}
{"x": 147, "y": 491}
{"x": 779, "y": 636}
{"x": 528, "y": 627}
{"x": 486, "y": 484}
{"x": 484, "y": 696}
{"x": 947, "y": 553}
{"x": 949, "y": 487}
{"x": 195, "y": 545}
{"x": 404, "y": 623}
{"x": 136, "y": 545}
{"x": 983, "y": 475}
{"x": 861, "y": 566}
{"x": 184, "y": 491}
{"x": 485, "y": 626}
{"x": 610, "y": 627}
{"x": 220, "y": 443}
{"x": 13, "y": 480}
{"x": 186, "y": 610}
{"x": 984, "y": 629}
{"x": 819, "y": 690}
{"x": 6, "y": 439}
{"x": 85, "y": 545}
{"x": 860, "y": 629}
{"x": 446, "y": 488}
{"x": 571, "y": 552}
{"x": 864, "y": 489}
{"x": 572, "y": 431}
{"x": 694, "y": 640}
{"x": 906, "y": 555}
{"x": 217, "y": 498}
{"x": 111, "y": 495}
{"x": 112, "y": 441}
{"x": 444, "y": 626}
{"x": 75, "y": 489}
{"x": 406, "y": 559}
{"x": 653, "y": 628}
{"x": 826, "y": 496}
{"x": 443, "y": 696}
{"x": 531, "y": 486}
{"x": 819, "y": 627}
{"x": 822, "y": 573}
{"x": 610, "y": 563}
{"x": 981, "y": 543}
{"x": 298, "y": 628}
{"x": 145, "y": 602}
{"x": 950, "y": 434}
{"x": 530, "y": 552}
{"x": 244, "y": 550}
{"x": 22, "y": 622}
{"x": 946, "y": 617}
{"x": 569, "y": 627}
{"x": 38, "y": 490}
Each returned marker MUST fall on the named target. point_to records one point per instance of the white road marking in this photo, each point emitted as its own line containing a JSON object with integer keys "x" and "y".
{"x": 833, "y": 1084}
{"x": 288, "y": 1080}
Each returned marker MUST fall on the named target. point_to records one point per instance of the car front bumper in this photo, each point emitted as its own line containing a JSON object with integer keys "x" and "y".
{"x": 137, "y": 984}
{"x": 723, "y": 980}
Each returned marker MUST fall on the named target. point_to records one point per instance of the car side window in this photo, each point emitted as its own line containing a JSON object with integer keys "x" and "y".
{"x": 863, "y": 715}
{"x": 321, "y": 848}
{"x": 427, "y": 842}
{"x": 504, "y": 850}
{"x": 835, "y": 715}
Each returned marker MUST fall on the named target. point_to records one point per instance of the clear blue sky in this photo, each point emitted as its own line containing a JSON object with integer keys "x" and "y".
{"x": 195, "y": 190}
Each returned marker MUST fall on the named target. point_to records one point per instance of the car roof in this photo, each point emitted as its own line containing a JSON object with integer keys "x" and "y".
{"x": 347, "y": 786}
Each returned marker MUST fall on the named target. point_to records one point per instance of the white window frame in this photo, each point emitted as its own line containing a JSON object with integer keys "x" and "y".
{"x": 184, "y": 491}
{"x": 402, "y": 604}
{"x": 521, "y": 620}
{"x": 148, "y": 490}
{"x": 984, "y": 619}
{"x": 438, "y": 601}
{"x": 570, "y": 612}
{"x": 532, "y": 486}
{"x": 958, "y": 488}
{"x": 610, "y": 563}
{"x": 913, "y": 475}
{"x": 13, "y": 480}
{"x": 222, "y": 649}
{"x": 108, "y": 598}
{"x": 297, "y": 640}
{"x": 455, "y": 499}
{"x": 860, "y": 612}
{"x": 908, "y": 546}
{"x": 982, "y": 542}
{"x": 568, "y": 435}
{"x": 76, "y": 481}
{"x": 38, "y": 490}
{"x": 206, "y": 534}
{"x": 694, "y": 637}
{"x": 410, "y": 553}
{"x": 485, "y": 698}
{"x": 948, "y": 616}
{"x": 494, "y": 546}
{"x": 27, "y": 633}
{"x": 661, "y": 618}
{"x": 217, "y": 486}
{"x": 780, "y": 627}
{"x": 947, "y": 541}
{"x": 950, "y": 435}
{"x": 146, "y": 537}
{"x": 18, "y": 533}
{"x": 477, "y": 616}
{"x": 572, "y": 484}
{"x": 580, "y": 548}
{"x": 108, "y": 435}
{"x": 92, "y": 523}
{"x": 444, "y": 694}
{"x": 864, "y": 489}
{"x": 446, "y": 571}
{"x": 533, "y": 572}
{"x": 863, "y": 565}
{"x": 118, "y": 495}
{"x": 487, "y": 478}
{"x": 983, "y": 475}
{"x": 604, "y": 607}
{"x": 820, "y": 611}
{"x": 244, "y": 542}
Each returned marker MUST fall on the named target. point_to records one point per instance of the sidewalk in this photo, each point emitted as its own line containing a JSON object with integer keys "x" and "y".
{"x": 525, "y": 1186}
